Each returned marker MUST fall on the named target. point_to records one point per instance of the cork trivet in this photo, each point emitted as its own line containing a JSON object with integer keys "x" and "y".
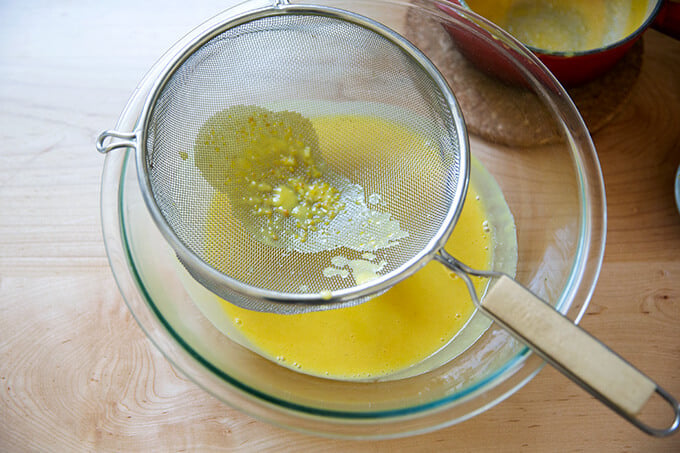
{"x": 510, "y": 115}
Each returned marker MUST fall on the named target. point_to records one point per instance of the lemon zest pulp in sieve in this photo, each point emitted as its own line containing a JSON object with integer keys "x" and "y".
{"x": 268, "y": 163}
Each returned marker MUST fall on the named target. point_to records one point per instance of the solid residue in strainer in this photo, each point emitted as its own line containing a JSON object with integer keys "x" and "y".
{"x": 270, "y": 166}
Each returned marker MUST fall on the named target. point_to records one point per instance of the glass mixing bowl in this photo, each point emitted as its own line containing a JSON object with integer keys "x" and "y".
{"x": 528, "y": 136}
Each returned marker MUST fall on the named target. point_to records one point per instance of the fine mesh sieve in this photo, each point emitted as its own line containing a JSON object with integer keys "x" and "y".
{"x": 310, "y": 61}
{"x": 277, "y": 68}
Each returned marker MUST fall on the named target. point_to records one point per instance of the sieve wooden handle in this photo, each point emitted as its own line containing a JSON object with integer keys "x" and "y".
{"x": 568, "y": 347}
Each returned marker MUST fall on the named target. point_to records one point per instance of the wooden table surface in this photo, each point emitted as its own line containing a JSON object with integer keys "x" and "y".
{"x": 78, "y": 374}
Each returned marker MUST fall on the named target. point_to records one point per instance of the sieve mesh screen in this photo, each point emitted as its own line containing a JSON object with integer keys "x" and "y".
{"x": 317, "y": 65}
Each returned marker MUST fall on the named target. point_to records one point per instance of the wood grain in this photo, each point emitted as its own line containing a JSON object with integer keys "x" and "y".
{"x": 78, "y": 374}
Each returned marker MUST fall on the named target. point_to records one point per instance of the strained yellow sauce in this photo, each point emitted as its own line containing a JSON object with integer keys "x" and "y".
{"x": 386, "y": 334}
{"x": 393, "y": 331}
{"x": 565, "y": 25}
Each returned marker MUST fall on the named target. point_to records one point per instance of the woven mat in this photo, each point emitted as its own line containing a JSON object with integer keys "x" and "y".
{"x": 510, "y": 115}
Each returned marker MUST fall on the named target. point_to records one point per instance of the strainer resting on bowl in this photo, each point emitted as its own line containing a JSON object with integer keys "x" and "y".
{"x": 268, "y": 70}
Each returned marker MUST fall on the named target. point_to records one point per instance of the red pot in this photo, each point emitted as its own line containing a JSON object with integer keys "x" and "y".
{"x": 573, "y": 68}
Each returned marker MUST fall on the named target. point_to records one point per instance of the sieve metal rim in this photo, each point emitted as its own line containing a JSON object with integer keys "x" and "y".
{"x": 340, "y": 297}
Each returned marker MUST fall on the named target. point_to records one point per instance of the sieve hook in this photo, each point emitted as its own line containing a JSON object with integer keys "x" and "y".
{"x": 566, "y": 346}
{"x": 110, "y": 140}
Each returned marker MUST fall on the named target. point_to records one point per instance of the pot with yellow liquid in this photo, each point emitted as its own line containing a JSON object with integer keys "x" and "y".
{"x": 577, "y": 40}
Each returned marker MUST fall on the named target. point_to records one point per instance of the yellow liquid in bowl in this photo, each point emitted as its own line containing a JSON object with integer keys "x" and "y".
{"x": 390, "y": 332}
{"x": 565, "y": 25}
